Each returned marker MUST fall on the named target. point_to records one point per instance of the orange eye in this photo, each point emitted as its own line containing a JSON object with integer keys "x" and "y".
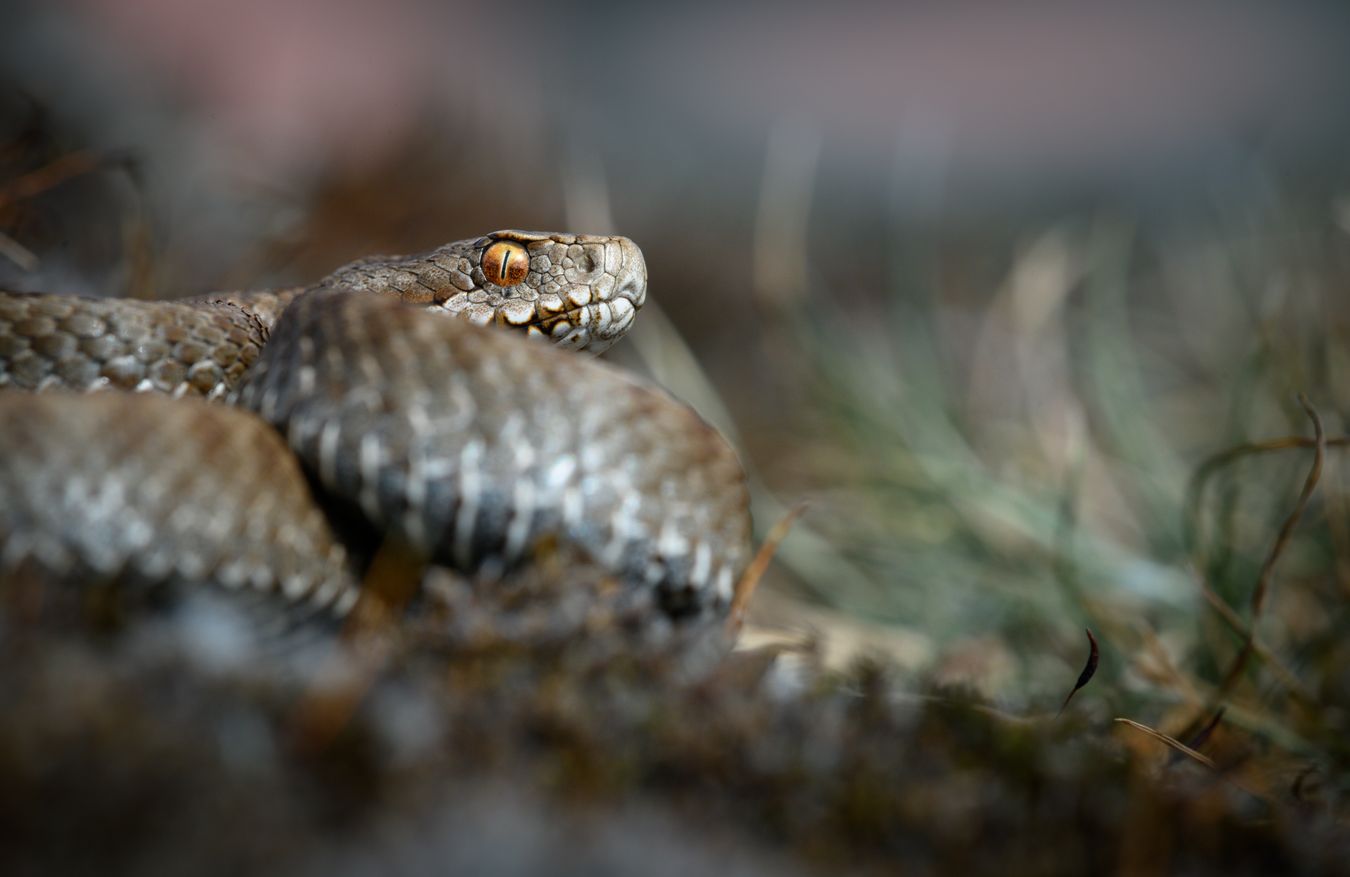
{"x": 505, "y": 263}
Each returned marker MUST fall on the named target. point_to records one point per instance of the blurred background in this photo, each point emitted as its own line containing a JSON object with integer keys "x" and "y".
{"x": 984, "y": 283}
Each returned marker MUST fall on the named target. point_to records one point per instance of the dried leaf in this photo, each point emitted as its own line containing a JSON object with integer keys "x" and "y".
{"x": 1089, "y": 670}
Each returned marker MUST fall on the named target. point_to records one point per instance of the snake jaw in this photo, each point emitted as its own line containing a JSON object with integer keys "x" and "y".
{"x": 593, "y": 328}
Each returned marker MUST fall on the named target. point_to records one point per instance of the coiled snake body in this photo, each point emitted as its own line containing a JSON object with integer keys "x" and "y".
{"x": 471, "y": 445}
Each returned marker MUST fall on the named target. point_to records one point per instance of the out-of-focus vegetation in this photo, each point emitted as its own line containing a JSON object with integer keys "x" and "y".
{"x": 1008, "y": 443}
{"x": 1101, "y": 428}
{"x": 1042, "y": 381}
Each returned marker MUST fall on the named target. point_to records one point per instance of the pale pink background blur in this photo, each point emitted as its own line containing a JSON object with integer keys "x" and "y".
{"x": 997, "y": 98}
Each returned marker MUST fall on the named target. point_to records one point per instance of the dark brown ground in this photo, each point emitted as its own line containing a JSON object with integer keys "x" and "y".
{"x": 177, "y": 744}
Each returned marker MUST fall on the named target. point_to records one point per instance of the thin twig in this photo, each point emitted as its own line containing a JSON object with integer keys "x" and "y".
{"x": 1263, "y": 580}
{"x": 1170, "y": 741}
{"x": 17, "y": 253}
{"x": 50, "y": 175}
{"x": 1207, "y": 469}
{"x": 749, "y": 581}
{"x": 1287, "y": 530}
{"x": 1259, "y": 648}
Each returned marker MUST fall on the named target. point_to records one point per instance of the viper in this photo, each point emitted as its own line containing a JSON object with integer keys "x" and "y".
{"x": 444, "y": 400}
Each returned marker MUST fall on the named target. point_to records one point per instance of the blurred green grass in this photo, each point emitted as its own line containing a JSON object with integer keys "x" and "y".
{"x": 1000, "y": 451}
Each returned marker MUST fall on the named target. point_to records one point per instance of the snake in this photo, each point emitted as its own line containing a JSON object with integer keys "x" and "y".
{"x": 262, "y": 441}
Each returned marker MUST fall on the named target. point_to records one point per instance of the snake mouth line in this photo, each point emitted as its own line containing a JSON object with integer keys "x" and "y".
{"x": 583, "y": 326}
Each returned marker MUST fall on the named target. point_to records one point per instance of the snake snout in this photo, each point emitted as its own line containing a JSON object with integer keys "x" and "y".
{"x": 609, "y": 319}
{"x": 631, "y": 280}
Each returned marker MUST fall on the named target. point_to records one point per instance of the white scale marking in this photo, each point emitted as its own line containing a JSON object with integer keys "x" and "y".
{"x": 522, "y": 519}
{"x": 416, "y": 490}
{"x": 622, "y": 527}
{"x": 327, "y": 590}
{"x": 328, "y": 445}
{"x": 294, "y": 586}
{"x": 345, "y": 602}
{"x": 670, "y": 542}
{"x": 269, "y": 404}
{"x": 470, "y": 493}
{"x": 573, "y": 507}
{"x": 702, "y": 565}
{"x": 370, "y": 456}
{"x": 724, "y": 583}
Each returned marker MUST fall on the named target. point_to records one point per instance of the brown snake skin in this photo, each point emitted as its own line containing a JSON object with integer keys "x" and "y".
{"x": 474, "y": 447}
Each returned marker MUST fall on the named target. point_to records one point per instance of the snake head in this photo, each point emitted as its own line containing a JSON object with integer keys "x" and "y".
{"x": 582, "y": 292}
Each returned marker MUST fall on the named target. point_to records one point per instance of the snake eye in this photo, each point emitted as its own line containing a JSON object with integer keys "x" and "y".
{"x": 505, "y": 263}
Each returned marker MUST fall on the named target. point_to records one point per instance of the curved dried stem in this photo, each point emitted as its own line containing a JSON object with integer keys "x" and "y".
{"x": 749, "y": 581}
{"x": 1259, "y": 593}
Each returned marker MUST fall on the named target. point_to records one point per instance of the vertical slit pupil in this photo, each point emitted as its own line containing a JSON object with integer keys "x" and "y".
{"x": 500, "y": 261}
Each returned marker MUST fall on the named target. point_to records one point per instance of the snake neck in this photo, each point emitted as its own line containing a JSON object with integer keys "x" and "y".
{"x": 265, "y": 306}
